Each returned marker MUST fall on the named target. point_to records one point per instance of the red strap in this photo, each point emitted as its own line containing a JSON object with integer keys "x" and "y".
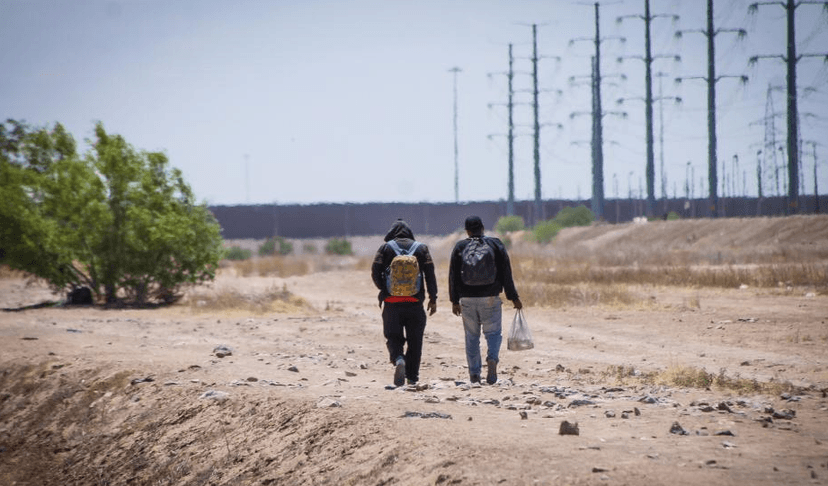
{"x": 395, "y": 300}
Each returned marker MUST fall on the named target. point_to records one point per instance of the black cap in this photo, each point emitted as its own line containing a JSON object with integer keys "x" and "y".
{"x": 474, "y": 223}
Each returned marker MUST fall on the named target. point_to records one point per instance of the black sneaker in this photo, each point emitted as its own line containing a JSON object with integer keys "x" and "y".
{"x": 491, "y": 374}
{"x": 474, "y": 379}
{"x": 399, "y": 373}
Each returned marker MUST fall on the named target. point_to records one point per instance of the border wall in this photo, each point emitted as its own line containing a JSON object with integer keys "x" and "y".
{"x": 337, "y": 220}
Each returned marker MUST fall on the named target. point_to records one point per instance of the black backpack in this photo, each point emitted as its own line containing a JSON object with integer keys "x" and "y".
{"x": 477, "y": 263}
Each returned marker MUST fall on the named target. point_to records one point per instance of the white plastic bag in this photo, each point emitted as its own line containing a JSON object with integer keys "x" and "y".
{"x": 520, "y": 338}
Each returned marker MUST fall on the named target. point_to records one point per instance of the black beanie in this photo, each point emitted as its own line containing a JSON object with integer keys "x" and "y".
{"x": 474, "y": 223}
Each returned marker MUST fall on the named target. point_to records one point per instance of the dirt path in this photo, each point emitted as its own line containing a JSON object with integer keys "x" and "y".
{"x": 92, "y": 396}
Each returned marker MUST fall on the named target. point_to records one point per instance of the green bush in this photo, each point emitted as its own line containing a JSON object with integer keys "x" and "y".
{"x": 508, "y": 224}
{"x": 275, "y": 245}
{"x": 238, "y": 253}
{"x": 309, "y": 248}
{"x": 673, "y": 216}
{"x": 337, "y": 246}
{"x": 545, "y": 231}
{"x": 579, "y": 216}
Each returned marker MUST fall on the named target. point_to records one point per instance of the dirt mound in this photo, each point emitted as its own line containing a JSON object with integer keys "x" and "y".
{"x": 756, "y": 240}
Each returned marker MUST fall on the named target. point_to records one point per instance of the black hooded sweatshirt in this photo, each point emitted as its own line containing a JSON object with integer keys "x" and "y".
{"x": 402, "y": 234}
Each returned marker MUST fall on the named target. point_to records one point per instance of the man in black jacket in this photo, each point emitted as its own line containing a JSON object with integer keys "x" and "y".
{"x": 403, "y": 317}
{"x": 479, "y": 270}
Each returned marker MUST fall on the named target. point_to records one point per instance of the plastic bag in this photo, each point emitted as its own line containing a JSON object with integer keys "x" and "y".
{"x": 520, "y": 338}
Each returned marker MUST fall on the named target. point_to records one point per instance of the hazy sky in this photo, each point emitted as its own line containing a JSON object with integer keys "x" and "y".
{"x": 303, "y": 101}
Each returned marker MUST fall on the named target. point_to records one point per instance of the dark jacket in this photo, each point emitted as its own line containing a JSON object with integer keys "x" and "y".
{"x": 503, "y": 280}
{"x": 402, "y": 234}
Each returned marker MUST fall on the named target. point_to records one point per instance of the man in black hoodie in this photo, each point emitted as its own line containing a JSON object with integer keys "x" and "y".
{"x": 475, "y": 294}
{"x": 403, "y": 317}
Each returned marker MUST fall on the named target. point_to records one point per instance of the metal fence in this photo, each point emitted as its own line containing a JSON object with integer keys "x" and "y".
{"x": 337, "y": 220}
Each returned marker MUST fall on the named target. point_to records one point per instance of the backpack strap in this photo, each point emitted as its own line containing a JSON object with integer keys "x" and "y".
{"x": 399, "y": 251}
{"x": 394, "y": 246}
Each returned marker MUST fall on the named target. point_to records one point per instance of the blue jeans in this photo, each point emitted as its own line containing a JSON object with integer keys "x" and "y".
{"x": 481, "y": 313}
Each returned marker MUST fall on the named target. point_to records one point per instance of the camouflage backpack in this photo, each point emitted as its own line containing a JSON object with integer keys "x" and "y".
{"x": 403, "y": 277}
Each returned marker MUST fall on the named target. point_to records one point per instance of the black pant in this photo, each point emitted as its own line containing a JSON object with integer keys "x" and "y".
{"x": 403, "y": 322}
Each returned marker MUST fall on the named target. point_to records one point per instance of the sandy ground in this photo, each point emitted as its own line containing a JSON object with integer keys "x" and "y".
{"x": 110, "y": 397}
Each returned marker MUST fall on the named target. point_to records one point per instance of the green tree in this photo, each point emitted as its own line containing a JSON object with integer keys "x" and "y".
{"x": 117, "y": 220}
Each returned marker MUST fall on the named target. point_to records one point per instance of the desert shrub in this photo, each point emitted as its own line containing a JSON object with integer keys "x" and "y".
{"x": 673, "y": 216}
{"x": 545, "y": 231}
{"x": 117, "y": 220}
{"x": 338, "y": 246}
{"x": 237, "y": 253}
{"x": 275, "y": 245}
{"x": 579, "y": 216}
{"x": 272, "y": 299}
{"x": 273, "y": 266}
{"x": 508, "y": 224}
{"x": 309, "y": 248}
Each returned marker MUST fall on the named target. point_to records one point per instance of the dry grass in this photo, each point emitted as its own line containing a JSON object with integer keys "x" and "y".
{"x": 272, "y": 266}
{"x": 581, "y": 295}
{"x": 690, "y": 377}
{"x": 273, "y": 299}
{"x": 296, "y": 265}
{"x": 550, "y": 270}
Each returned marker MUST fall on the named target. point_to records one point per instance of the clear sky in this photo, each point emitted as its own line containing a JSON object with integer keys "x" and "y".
{"x": 305, "y": 101}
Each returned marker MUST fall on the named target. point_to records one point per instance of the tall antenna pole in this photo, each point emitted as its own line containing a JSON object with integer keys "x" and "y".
{"x": 456, "y": 70}
{"x": 539, "y": 213}
{"x": 712, "y": 160}
{"x": 711, "y": 111}
{"x": 791, "y": 58}
{"x": 510, "y": 203}
{"x": 661, "y": 140}
{"x": 648, "y": 61}
{"x": 598, "y": 163}
{"x": 816, "y": 187}
{"x": 793, "y": 114}
{"x": 246, "y": 178}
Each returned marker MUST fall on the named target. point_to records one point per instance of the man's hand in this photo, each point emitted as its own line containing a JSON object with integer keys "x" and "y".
{"x": 432, "y": 306}
{"x": 518, "y": 304}
{"x": 456, "y": 310}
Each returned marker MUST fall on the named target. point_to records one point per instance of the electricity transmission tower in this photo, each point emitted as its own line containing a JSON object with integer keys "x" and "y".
{"x": 710, "y": 32}
{"x": 597, "y": 116}
{"x": 648, "y": 59}
{"x": 510, "y": 201}
{"x": 456, "y": 70}
{"x": 790, "y": 59}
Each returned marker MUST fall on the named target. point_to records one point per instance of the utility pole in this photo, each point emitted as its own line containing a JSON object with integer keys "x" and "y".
{"x": 597, "y": 202}
{"x": 510, "y": 202}
{"x": 759, "y": 182}
{"x": 510, "y": 199}
{"x": 770, "y": 132}
{"x": 648, "y": 99}
{"x": 790, "y": 59}
{"x": 660, "y": 99}
{"x": 456, "y": 70}
{"x": 536, "y": 125}
{"x": 598, "y": 130}
{"x": 816, "y": 186}
{"x": 247, "y": 178}
{"x": 710, "y": 32}
{"x": 539, "y": 210}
